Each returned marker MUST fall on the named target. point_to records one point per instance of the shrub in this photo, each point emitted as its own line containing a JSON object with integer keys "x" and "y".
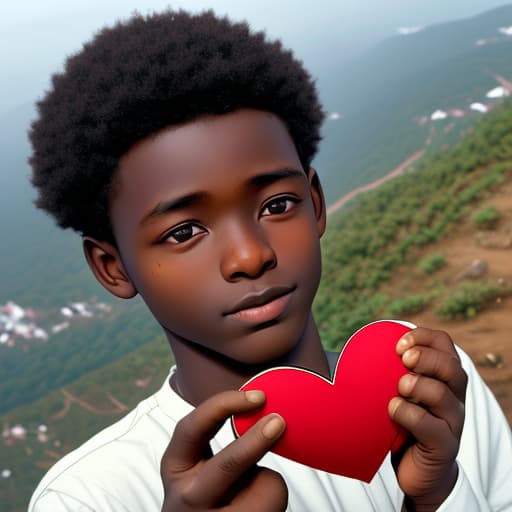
{"x": 408, "y": 305}
{"x": 469, "y": 299}
{"x": 486, "y": 218}
{"x": 429, "y": 264}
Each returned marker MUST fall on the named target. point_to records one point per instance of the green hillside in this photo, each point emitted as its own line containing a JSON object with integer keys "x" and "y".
{"x": 112, "y": 391}
{"x": 364, "y": 246}
{"x": 386, "y": 226}
{"x": 382, "y": 96}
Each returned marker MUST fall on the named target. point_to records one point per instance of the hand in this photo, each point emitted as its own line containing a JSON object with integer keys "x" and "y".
{"x": 194, "y": 479}
{"x": 431, "y": 408}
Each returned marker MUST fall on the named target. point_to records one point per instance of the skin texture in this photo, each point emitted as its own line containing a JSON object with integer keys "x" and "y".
{"x": 208, "y": 216}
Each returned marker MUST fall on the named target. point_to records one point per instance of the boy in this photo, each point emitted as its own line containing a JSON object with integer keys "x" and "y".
{"x": 179, "y": 147}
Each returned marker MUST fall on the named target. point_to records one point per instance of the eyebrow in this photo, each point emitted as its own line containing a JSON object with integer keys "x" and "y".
{"x": 258, "y": 181}
{"x": 267, "y": 178}
{"x": 174, "y": 204}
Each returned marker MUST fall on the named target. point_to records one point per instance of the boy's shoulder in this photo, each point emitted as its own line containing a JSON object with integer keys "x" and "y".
{"x": 121, "y": 462}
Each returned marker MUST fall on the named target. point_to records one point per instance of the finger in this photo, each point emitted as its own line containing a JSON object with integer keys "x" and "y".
{"x": 193, "y": 432}
{"x": 421, "y": 336}
{"x": 432, "y": 433}
{"x": 438, "y": 365}
{"x": 436, "y": 396}
{"x": 228, "y": 466}
{"x": 266, "y": 491}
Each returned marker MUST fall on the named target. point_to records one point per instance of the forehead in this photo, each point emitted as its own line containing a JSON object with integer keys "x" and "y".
{"x": 210, "y": 153}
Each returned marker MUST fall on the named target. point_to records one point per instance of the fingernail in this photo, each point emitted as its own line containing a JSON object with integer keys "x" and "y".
{"x": 255, "y": 397}
{"x": 407, "y": 383}
{"x": 411, "y": 356}
{"x": 274, "y": 427}
{"x": 393, "y": 405}
{"x": 403, "y": 344}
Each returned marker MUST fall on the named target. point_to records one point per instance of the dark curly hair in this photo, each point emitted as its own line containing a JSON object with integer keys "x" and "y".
{"x": 142, "y": 75}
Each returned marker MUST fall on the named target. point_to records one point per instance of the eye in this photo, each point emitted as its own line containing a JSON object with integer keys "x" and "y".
{"x": 183, "y": 233}
{"x": 279, "y": 205}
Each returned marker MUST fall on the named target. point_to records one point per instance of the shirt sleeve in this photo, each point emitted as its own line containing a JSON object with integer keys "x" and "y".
{"x": 484, "y": 482}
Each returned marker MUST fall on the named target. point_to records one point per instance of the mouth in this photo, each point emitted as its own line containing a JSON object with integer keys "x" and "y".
{"x": 263, "y": 306}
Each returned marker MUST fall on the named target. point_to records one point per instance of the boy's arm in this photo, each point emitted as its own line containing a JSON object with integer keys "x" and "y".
{"x": 432, "y": 409}
{"x": 196, "y": 480}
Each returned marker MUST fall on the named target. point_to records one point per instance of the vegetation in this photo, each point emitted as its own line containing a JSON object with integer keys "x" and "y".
{"x": 429, "y": 264}
{"x": 28, "y": 460}
{"x": 376, "y": 138}
{"x": 470, "y": 298}
{"x": 387, "y": 227}
{"x": 486, "y": 218}
{"x": 36, "y": 368}
{"x": 408, "y": 305}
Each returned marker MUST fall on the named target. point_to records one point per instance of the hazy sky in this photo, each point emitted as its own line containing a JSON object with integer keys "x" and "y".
{"x": 37, "y": 35}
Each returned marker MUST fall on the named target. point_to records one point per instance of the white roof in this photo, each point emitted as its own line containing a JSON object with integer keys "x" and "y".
{"x": 405, "y": 31}
{"x": 497, "y": 92}
{"x": 478, "y": 107}
{"x": 438, "y": 114}
{"x": 506, "y": 30}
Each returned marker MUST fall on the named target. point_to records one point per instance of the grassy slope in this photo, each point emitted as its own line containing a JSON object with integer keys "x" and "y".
{"x": 382, "y": 233}
{"x": 29, "y": 459}
{"x": 393, "y": 84}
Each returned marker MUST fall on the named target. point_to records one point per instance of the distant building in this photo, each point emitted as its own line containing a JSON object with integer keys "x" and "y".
{"x": 406, "y": 31}
{"x": 438, "y": 115}
{"x": 479, "y": 107}
{"x": 506, "y": 30}
{"x": 497, "y": 92}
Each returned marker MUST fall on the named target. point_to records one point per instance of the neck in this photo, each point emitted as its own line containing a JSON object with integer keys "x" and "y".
{"x": 202, "y": 373}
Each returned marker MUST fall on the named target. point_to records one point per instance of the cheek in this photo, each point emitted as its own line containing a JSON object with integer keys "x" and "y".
{"x": 299, "y": 252}
{"x": 177, "y": 289}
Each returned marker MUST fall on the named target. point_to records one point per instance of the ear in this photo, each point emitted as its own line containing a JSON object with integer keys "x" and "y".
{"x": 106, "y": 265}
{"x": 317, "y": 196}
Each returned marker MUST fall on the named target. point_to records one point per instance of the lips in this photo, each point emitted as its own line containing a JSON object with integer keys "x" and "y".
{"x": 261, "y": 306}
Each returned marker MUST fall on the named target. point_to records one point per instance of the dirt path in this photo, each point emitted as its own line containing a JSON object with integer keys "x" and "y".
{"x": 374, "y": 184}
{"x": 69, "y": 399}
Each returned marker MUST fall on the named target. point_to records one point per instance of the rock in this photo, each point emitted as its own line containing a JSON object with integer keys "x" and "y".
{"x": 492, "y": 360}
{"x": 477, "y": 269}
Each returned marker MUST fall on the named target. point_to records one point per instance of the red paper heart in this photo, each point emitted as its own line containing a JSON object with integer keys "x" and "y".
{"x": 342, "y": 426}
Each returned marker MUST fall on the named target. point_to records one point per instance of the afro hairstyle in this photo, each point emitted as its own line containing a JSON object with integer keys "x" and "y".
{"x": 142, "y": 75}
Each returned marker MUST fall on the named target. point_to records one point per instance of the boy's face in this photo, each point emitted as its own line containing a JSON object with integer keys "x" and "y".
{"x": 218, "y": 229}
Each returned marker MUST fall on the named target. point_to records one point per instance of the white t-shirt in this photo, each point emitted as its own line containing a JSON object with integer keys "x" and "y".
{"x": 119, "y": 468}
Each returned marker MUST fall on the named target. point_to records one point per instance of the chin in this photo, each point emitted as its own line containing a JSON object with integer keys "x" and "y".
{"x": 274, "y": 348}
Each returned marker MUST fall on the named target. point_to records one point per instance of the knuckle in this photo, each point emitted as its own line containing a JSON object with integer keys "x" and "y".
{"x": 443, "y": 337}
{"x": 188, "y": 497}
{"x": 229, "y": 465}
{"x": 414, "y": 415}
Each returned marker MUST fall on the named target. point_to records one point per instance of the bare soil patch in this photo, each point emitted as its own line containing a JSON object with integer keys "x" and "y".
{"x": 489, "y": 333}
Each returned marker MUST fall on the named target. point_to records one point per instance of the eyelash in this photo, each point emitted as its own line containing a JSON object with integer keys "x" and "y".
{"x": 280, "y": 199}
{"x": 196, "y": 229}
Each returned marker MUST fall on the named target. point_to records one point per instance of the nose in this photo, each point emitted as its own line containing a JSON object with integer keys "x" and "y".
{"x": 247, "y": 253}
